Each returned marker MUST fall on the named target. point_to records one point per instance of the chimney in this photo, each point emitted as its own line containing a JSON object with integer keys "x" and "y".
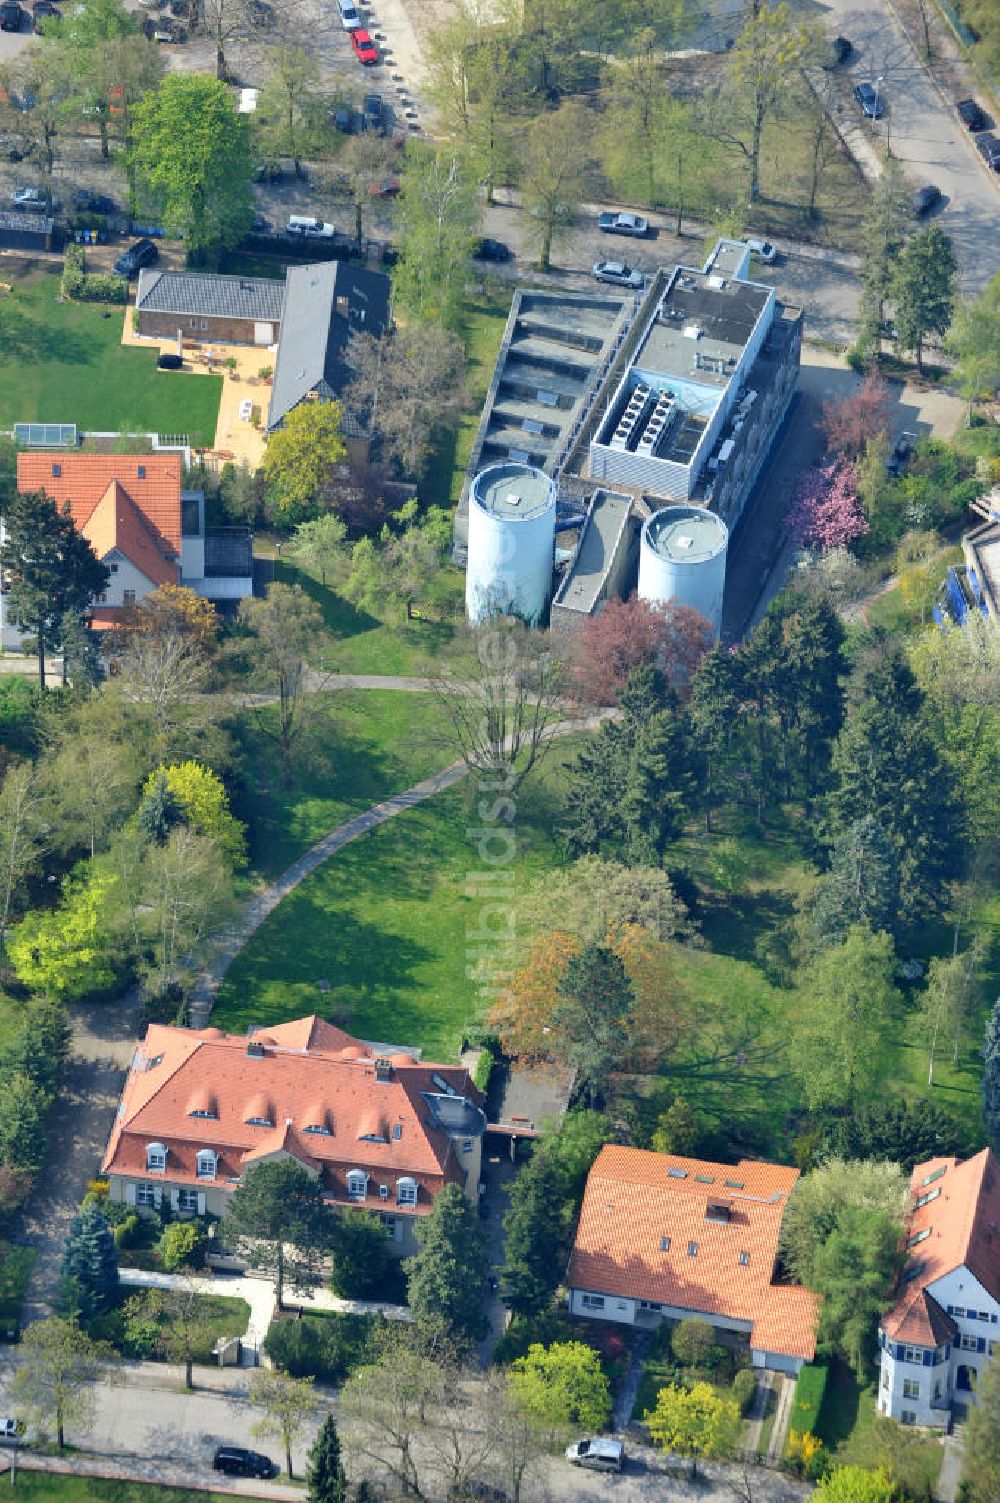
{"x": 255, "y": 1051}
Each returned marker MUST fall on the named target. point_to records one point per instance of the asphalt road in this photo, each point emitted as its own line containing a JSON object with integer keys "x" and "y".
{"x": 923, "y": 132}
{"x": 169, "y": 1436}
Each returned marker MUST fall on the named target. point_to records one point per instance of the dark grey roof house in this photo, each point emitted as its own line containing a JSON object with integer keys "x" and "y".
{"x": 324, "y": 305}
{"x": 232, "y": 310}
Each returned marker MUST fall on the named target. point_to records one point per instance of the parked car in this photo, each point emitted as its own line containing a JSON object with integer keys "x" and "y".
{"x": 386, "y": 187}
{"x": 311, "y": 229}
{"x": 600, "y": 1454}
{"x": 10, "y": 151}
{"x": 95, "y": 203}
{"x": 260, "y": 225}
{"x": 11, "y": 16}
{"x": 169, "y": 362}
{"x": 901, "y": 451}
{"x": 268, "y": 172}
{"x": 487, "y": 249}
{"x": 871, "y": 100}
{"x": 364, "y": 48}
{"x": 142, "y": 253}
{"x": 236, "y": 1461}
{"x": 989, "y": 149}
{"x": 623, "y": 224}
{"x": 971, "y": 115}
{"x": 345, "y": 119}
{"x": 350, "y": 18}
{"x": 165, "y": 30}
{"x": 925, "y": 199}
{"x": 373, "y": 113}
{"x": 840, "y": 51}
{"x": 618, "y": 273}
{"x": 762, "y": 248}
{"x": 10, "y": 1428}
{"x": 28, "y": 198}
{"x": 44, "y": 10}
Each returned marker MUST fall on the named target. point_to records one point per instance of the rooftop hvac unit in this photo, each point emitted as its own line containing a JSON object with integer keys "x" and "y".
{"x": 692, "y": 331}
{"x": 627, "y": 422}
{"x": 725, "y": 450}
{"x": 658, "y": 423}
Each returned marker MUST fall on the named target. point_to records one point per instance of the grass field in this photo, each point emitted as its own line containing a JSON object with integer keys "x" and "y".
{"x": 222, "y": 1314}
{"x": 47, "y": 1487}
{"x": 851, "y": 1431}
{"x": 359, "y": 643}
{"x": 64, "y": 363}
{"x": 387, "y": 922}
{"x": 374, "y": 743}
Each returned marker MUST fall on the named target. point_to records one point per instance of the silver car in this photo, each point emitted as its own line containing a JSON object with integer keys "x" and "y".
{"x": 618, "y": 273}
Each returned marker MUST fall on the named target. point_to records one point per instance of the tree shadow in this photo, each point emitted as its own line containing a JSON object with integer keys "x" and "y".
{"x": 339, "y": 616}
{"x": 33, "y": 341}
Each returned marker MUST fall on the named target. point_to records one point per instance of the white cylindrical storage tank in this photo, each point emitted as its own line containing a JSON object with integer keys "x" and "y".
{"x": 512, "y": 530}
{"x": 682, "y": 556}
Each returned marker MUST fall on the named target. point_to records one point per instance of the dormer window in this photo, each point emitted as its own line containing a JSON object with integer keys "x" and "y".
{"x": 406, "y": 1192}
{"x": 259, "y": 1122}
{"x": 207, "y": 1161}
{"x": 318, "y": 1127}
{"x": 692, "y": 1249}
{"x": 744, "y": 1259}
{"x": 156, "y": 1158}
{"x": 357, "y": 1184}
{"x": 397, "y": 1131}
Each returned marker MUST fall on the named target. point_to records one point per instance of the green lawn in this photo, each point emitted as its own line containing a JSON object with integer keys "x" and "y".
{"x": 48, "y": 1487}
{"x": 378, "y": 742}
{"x": 853, "y": 1433}
{"x": 387, "y": 920}
{"x": 223, "y": 1316}
{"x": 359, "y": 643}
{"x": 64, "y": 363}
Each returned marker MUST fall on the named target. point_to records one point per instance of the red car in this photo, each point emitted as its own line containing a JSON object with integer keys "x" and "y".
{"x": 364, "y": 48}
{"x": 387, "y": 188}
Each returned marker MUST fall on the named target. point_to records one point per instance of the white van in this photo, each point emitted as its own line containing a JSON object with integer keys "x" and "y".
{"x": 349, "y": 17}
{"x": 602, "y": 1455}
{"x": 312, "y": 229}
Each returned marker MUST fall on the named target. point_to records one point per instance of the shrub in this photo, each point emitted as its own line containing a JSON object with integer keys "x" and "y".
{"x": 692, "y": 1341}
{"x": 182, "y": 1244}
{"x": 744, "y": 1388}
{"x": 810, "y": 1387}
{"x": 141, "y": 1331}
{"x": 128, "y": 1232}
{"x": 484, "y": 1067}
{"x": 326, "y": 1348}
{"x": 89, "y": 287}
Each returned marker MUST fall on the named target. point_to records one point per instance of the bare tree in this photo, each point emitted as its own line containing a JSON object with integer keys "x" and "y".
{"x": 554, "y": 174}
{"x": 824, "y": 143}
{"x": 408, "y": 386}
{"x": 767, "y": 53}
{"x": 499, "y": 719}
{"x": 364, "y": 162}
{"x": 287, "y": 626}
{"x": 20, "y": 835}
{"x": 385, "y": 1407}
{"x": 186, "y": 899}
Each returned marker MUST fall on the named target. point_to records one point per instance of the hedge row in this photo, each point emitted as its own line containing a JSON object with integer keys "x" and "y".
{"x": 90, "y": 287}
{"x": 809, "y": 1390}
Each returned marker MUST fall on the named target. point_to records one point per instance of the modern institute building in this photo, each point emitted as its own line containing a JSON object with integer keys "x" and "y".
{"x": 378, "y": 1128}
{"x": 675, "y": 401}
{"x": 668, "y": 1238}
{"x": 945, "y": 1324}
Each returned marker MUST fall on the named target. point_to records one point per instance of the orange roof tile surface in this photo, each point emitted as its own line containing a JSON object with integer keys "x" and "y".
{"x": 957, "y": 1224}
{"x": 313, "y": 1092}
{"x": 116, "y": 522}
{"x": 83, "y": 480}
{"x": 697, "y": 1235}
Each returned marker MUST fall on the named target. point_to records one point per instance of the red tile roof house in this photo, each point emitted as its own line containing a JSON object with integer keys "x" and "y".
{"x": 667, "y": 1238}
{"x": 945, "y": 1324}
{"x": 139, "y": 522}
{"x": 380, "y": 1129}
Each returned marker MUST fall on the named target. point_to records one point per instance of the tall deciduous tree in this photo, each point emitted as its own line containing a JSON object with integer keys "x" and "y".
{"x": 767, "y": 54}
{"x": 819, "y": 1199}
{"x": 922, "y": 288}
{"x": 301, "y": 462}
{"x": 594, "y": 1015}
{"x": 192, "y": 149}
{"x": 627, "y": 634}
{"x": 554, "y": 175}
{"x": 408, "y": 388}
{"x": 33, "y": 90}
{"x": 404, "y": 566}
{"x": 186, "y": 898}
{"x": 51, "y": 567}
{"x": 386, "y": 1404}
{"x": 981, "y": 1448}
{"x": 856, "y": 1484}
{"x": 437, "y": 218}
{"x": 828, "y": 512}
{"x": 288, "y": 1405}
{"x": 54, "y": 1384}
{"x": 287, "y": 626}
{"x": 21, "y": 837}
{"x": 277, "y": 1213}
{"x": 109, "y": 61}
{"x": 974, "y": 342}
{"x": 945, "y": 1004}
{"x": 853, "y": 1272}
{"x": 991, "y": 1078}
{"x": 562, "y": 1385}
{"x": 67, "y": 952}
{"x": 694, "y": 1422}
{"x": 364, "y": 161}
{"x": 884, "y": 231}
{"x": 851, "y": 422}
{"x": 849, "y": 1005}
{"x": 446, "y": 1278}
{"x": 289, "y": 118}
{"x": 320, "y": 544}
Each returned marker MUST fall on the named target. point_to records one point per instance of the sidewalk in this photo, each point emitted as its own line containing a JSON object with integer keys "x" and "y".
{"x": 135, "y": 1469}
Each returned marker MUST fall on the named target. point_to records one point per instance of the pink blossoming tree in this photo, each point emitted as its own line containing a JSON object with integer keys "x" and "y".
{"x": 827, "y": 513}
